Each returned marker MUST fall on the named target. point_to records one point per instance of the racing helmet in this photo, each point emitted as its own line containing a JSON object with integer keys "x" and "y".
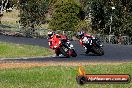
{"x": 50, "y": 33}
{"x": 80, "y": 34}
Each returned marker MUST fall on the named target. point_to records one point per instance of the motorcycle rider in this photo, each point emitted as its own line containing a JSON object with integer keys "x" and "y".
{"x": 84, "y": 39}
{"x": 54, "y": 39}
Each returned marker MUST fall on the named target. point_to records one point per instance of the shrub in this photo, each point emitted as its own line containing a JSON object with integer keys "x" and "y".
{"x": 65, "y": 15}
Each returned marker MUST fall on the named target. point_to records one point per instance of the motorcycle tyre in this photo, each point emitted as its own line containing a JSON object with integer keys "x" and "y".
{"x": 63, "y": 52}
{"x": 98, "y": 51}
{"x": 74, "y": 54}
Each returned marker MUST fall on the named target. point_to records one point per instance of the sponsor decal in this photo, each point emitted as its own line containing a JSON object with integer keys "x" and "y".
{"x": 84, "y": 78}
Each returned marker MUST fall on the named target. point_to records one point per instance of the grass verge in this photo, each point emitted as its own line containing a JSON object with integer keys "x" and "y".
{"x": 59, "y": 76}
{"x": 10, "y": 50}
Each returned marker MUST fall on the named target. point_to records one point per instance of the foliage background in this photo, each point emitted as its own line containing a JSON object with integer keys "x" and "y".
{"x": 67, "y": 15}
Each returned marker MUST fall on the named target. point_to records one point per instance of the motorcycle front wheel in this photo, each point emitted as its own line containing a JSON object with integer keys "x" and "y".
{"x": 63, "y": 51}
{"x": 98, "y": 51}
{"x": 74, "y": 54}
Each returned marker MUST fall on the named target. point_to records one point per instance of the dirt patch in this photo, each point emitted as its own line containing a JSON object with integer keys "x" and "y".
{"x": 20, "y": 65}
{"x": 8, "y": 65}
{"x": 33, "y": 64}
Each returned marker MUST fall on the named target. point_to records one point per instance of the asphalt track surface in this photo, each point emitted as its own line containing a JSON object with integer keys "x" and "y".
{"x": 113, "y": 53}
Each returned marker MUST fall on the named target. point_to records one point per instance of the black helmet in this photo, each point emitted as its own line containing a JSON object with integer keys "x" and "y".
{"x": 80, "y": 34}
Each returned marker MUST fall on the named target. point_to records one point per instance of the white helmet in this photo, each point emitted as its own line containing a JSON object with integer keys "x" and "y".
{"x": 50, "y": 33}
{"x": 80, "y": 34}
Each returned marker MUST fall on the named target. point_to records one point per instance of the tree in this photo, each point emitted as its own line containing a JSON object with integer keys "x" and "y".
{"x": 103, "y": 17}
{"x": 32, "y": 12}
{"x": 65, "y": 15}
{"x": 97, "y": 16}
{"x": 122, "y": 17}
{"x": 94, "y": 9}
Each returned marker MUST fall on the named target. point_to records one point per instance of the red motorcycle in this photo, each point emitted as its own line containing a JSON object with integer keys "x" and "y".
{"x": 62, "y": 46}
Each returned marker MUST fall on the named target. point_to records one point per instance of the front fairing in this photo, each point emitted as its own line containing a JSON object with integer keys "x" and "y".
{"x": 54, "y": 43}
{"x": 70, "y": 46}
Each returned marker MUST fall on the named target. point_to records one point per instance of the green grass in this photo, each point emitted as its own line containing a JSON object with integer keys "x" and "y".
{"x": 59, "y": 76}
{"x": 10, "y": 50}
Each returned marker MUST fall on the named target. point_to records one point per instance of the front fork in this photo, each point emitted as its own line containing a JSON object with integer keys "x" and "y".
{"x": 87, "y": 48}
